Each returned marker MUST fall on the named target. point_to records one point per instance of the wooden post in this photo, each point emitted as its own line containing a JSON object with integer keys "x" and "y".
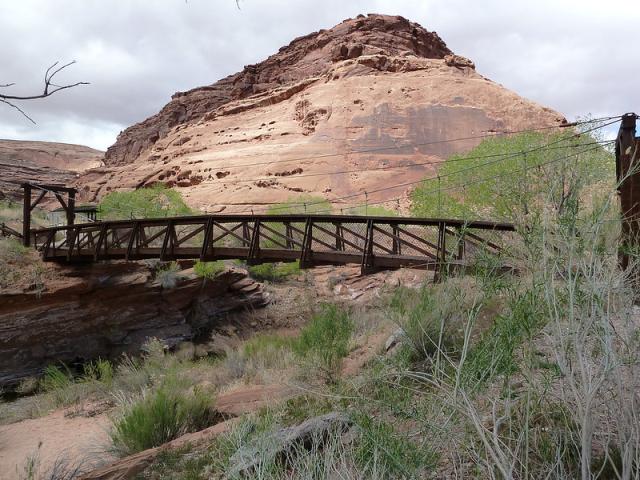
{"x": 339, "y": 237}
{"x": 305, "y": 251}
{"x": 288, "y": 232}
{"x": 26, "y": 215}
{"x": 396, "y": 244}
{"x": 628, "y": 177}
{"x": 71, "y": 208}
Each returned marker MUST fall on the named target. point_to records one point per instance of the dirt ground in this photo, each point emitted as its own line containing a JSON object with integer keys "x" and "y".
{"x": 84, "y": 439}
{"x": 53, "y": 438}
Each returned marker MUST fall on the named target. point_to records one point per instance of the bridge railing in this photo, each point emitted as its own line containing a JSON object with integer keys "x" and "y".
{"x": 373, "y": 242}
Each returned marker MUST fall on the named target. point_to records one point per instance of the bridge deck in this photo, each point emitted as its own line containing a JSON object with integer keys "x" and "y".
{"x": 373, "y": 242}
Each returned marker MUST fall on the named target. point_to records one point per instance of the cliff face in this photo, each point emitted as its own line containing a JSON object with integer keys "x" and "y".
{"x": 43, "y": 162}
{"x": 305, "y": 57}
{"x": 372, "y": 102}
{"x": 104, "y": 310}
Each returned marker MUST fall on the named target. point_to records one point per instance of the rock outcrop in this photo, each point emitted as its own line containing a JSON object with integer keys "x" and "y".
{"x": 43, "y": 162}
{"x": 305, "y": 57}
{"x": 378, "y": 99}
{"x": 105, "y": 310}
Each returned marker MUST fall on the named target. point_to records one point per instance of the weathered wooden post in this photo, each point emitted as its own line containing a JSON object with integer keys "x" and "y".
{"x": 71, "y": 206}
{"x": 628, "y": 178}
{"x": 26, "y": 215}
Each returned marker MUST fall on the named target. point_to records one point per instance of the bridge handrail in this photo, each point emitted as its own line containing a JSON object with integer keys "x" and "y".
{"x": 197, "y": 219}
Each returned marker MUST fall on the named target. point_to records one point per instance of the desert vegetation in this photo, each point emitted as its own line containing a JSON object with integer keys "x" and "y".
{"x": 151, "y": 202}
{"x": 526, "y": 373}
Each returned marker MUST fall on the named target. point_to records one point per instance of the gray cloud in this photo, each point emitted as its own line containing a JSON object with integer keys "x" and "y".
{"x": 578, "y": 57}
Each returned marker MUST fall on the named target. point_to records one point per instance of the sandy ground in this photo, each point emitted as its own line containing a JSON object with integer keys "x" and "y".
{"x": 83, "y": 439}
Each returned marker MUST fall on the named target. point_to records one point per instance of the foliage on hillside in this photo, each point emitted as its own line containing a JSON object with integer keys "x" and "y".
{"x": 151, "y": 202}
{"x": 491, "y": 181}
{"x": 302, "y": 204}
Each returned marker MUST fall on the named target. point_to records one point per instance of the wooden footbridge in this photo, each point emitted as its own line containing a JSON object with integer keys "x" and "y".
{"x": 373, "y": 242}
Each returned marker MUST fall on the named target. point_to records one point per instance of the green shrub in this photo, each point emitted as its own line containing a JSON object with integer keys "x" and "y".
{"x": 260, "y": 344}
{"x": 495, "y": 353}
{"x": 382, "y": 449}
{"x": 56, "y": 378}
{"x": 324, "y": 341}
{"x": 511, "y": 181}
{"x": 161, "y": 416}
{"x": 274, "y": 272}
{"x": 99, "y": 371}
{"x": 434, "y": 318}
{"x": 151, "y": 202}
{"x": 208, "y": 270}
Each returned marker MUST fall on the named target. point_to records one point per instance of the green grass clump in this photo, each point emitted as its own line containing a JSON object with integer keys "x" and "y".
{"x": 324, "y": 341}
{"x": 99, "y": 371}
{"x": 433, "y": 318}
{"x": 161, "y": 416}
{"x": 151, "y": 202}
{"x": 495, "y": 353}
{"x": 208, "y": 270}
{"x": 56, "y": 378}
{"x": 274, "y": 272}
{"x": 167, "y": 275}
{"x": 383, "y": 450}
{"x": 260, "y": 344}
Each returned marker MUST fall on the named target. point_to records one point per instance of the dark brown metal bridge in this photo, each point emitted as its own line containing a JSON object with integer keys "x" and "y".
{"x": 373, "y": 242}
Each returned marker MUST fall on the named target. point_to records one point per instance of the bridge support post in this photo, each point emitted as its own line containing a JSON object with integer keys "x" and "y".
{"x": 628, "y": 177}
{"x": 206, "y": 242}
{"x": 305, "y": 254}
{"x": 254, "y": 247}
{"x": 439, "y": 273}
{"x": 339, "y": 237}
{"x": 367, "y": 252}
{"x": 396, "y": 246}
{"x": 288, "y": 232}
{"x": 26, "y": 215}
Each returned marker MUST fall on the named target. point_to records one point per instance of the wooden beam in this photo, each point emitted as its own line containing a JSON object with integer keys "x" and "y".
{"x": 37, "y": 201}
{"x": 101, "y": 240}
{"x": 26, "y": 215}
{"x": 132, "y": 241}
{"x": 367, "y": 252}
{"x": 254, "y": 246}
{"x": 206, "y": 242}
{"x": 305, "y": 252}
{"x": 166, "y": 243}
{"x": 628, "y": 176}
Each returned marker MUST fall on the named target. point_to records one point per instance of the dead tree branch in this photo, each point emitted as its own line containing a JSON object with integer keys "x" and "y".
{"x": 49, "y": 89}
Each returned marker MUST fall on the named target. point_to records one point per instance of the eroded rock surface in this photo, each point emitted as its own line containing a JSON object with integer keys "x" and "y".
{"x": 43, "y": 162}
{"x": 104, "y": 310}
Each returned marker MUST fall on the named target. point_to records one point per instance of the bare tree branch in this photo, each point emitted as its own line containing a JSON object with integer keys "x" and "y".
{"x": 50, "y": 73}
{"x": 19, "y": 109}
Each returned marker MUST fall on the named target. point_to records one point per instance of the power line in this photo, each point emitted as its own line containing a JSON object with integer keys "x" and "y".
{"x": 419, "y": 144}
{"x": 542, "y": 147}
{"x": 481, "y": 180}
{"x": 407, "y": 165}
{"x": 506, "y": 156}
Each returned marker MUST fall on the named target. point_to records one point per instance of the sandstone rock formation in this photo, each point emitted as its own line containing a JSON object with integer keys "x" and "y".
{"x": 44, "y": 162}
{"x": 375, "y": 92}
{"x": 103, "y": 310}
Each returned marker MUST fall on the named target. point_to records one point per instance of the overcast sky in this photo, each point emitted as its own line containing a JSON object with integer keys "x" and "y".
{"x": 577, "y": 56}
